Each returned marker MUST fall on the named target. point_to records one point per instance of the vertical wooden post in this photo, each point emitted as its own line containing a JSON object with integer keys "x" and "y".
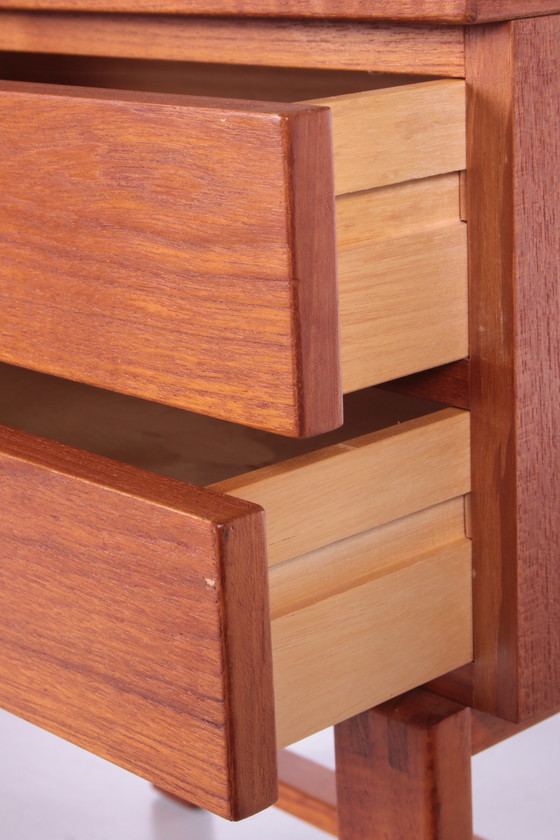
{"x": 403, "y": 771}
{"x": 513, "y": 186}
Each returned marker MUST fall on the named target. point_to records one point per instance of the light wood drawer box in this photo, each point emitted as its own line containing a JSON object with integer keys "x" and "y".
{"x": 134, "y": 607}
{"x": 182, "y": 249}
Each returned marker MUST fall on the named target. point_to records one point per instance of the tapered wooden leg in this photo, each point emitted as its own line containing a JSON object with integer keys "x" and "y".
{"x": 403, "y": 771}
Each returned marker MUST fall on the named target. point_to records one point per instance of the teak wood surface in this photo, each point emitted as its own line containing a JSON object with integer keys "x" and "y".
{"x": 342, "y": 45}
{"x": 450, "y": 11}
{"x": 178, "y": 248}
{"x": 404, "y": 770}
{"x": 308, "y": 790}
{"x": 124, "y": 621}
{"x": 514, "y": 241}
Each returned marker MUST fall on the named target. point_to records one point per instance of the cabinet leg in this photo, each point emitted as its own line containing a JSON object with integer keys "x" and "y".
{"x": 403, "y": 771}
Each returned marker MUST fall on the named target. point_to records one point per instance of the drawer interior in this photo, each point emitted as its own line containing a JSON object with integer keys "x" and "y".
{"x": 275, "y": 84}
{"x": 180, "y": 444}
{"x": 399, "y": 145}
{"x": 361, "y": 522}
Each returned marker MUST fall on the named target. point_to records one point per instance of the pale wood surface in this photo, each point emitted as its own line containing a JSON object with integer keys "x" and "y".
{"x": 403, "y": 304}
{"x": 111, "y": 271}
{"x": 325, "y": 572}
{"x": 379, "y": 477}
{"x": 514, "y": 224}
{"x": 124, "y": 625}
{"x": 339, "y": 656}
{"x": 382, "y": 213}
{"x": 449, "y": 11}
{"x": 402, "y": 259}
{"x": 404, "y": 768}
{"x": 397, "y": 134}
{"x": 431, "y": 50}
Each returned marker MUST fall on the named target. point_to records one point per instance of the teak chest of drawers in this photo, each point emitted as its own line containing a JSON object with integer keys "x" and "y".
{"x": 250, "y": 240}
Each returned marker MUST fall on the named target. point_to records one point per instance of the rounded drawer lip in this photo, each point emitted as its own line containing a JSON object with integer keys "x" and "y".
{"x": 182, "y": 249}
{"x": 138, "y": 605}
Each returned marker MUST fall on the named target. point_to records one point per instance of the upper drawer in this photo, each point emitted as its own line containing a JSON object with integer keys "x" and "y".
{"x": 134, "y": 607}
{"x": 182, "y": 249}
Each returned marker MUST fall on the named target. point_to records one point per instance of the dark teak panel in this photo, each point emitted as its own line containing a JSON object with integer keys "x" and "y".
{"x": 179, "y": 249}
{"x": 513, "y": 72}
{"x": 403, "y": 770}
{"x": 134, "y": 621}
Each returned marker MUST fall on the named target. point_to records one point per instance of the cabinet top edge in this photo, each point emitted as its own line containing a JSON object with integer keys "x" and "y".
{"x": 447, "y": 12}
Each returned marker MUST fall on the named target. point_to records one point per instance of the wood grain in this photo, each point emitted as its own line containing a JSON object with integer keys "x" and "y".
{"x": 449, "y": 11}
{"x": 384, "y": 47}
{"x": 307, "y": 791}
{"x": 397, "y": 134}
{"x": 135, "y": 641}
{"x": 336, "y": 567}
{"x": 382, "y": 626}
{"x": 403, "y": 303}
{"x": 489, "y": 10}
{"x": 387, "y": 128}
{"x": 381, "y": 477}
{"x": 514, "y": 225}
{"x": 345, "y": 597}
{"x": 384, "y": 213}
{"x": 404, "y": 767}
{"x": 152, "y": 246}
{"x": 402, "y": 279}
{"x": 133, "y": 260}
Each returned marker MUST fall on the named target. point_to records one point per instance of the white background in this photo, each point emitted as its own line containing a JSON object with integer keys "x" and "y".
{"x": 51, "y": 790}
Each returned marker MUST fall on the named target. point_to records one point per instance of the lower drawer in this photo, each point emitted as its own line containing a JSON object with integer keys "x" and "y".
{"x": 141, "y": 619}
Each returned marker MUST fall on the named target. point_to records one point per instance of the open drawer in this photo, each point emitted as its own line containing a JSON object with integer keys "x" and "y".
{"x": 182, "y": 249}
{"x": 134, "y": 607}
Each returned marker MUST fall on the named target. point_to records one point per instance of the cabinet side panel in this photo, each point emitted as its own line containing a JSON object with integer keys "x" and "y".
{"x": 514, "y": 233}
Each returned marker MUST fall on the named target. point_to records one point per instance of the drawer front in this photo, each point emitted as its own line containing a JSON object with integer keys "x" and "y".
{"x": 183, "y": 249}
{"x": 123, "y": 621}
{"x": 134, "y": 608}
{"x": 177, "y": 249}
